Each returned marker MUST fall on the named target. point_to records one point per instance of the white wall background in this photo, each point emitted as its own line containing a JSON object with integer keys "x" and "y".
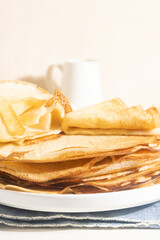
{"x": 123, "y": 35}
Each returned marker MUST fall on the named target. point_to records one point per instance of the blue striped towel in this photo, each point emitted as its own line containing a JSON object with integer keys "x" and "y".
{"x": 147, "y": 216}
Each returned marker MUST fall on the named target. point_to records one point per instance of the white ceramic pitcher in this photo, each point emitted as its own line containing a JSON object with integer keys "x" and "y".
{"x": 78, "y": 79}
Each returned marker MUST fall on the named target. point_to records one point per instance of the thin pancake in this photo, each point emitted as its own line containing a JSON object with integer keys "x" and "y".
{"x": 26, "y": 111}
{"x": 138, "y": 176}
{"x": 111, "y": 117}
{"x": 43, "y": 172}
{"x": 148, "y": 179}
{"x": 67, "y": 147}
{"x": 139, "y": 159}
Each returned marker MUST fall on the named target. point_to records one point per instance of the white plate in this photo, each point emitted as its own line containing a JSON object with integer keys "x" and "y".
{"x": 80, "y": 202}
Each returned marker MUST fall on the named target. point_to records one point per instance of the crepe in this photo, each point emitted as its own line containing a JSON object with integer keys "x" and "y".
{"x": 62, "y": 147}
{"x": 134, "y": 179}
{"x": 112, "y": 173}
{"x": 43, "y": 172}
{"x": 27, "y": 111}
{"x": 87, "y": 169}
{"x": 140, "y": 159}
{"x": 11, "y": 184}
{"x": 118, "y": 181}
{"x": 7, "y": 184}
{"x": 113, "y": 117}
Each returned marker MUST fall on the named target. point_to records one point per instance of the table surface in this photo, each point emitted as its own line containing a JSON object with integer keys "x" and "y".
{"x": 7, "y": 233}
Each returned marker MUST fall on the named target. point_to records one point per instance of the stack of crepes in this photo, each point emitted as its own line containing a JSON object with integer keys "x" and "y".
{"x": 48, "y": 148}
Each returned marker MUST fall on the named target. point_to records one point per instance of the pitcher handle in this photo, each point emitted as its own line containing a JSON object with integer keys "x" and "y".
{"x": 54, "y": 77}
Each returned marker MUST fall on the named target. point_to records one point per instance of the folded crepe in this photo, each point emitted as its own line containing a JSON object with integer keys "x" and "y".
{"x": 86, "y": 169}
{"x": 60, "y": 147}
{"x": 8, "y": 183}
{"x": 27, "y": 111}
{"x": 113, "y": 117}
{"x": 44, "y": 172}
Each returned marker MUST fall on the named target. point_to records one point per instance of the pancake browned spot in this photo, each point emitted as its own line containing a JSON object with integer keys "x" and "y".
{"x": 62, "y": 99}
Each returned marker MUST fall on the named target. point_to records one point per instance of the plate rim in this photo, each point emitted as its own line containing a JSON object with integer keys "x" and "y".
{"x": 83, "y": 197}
